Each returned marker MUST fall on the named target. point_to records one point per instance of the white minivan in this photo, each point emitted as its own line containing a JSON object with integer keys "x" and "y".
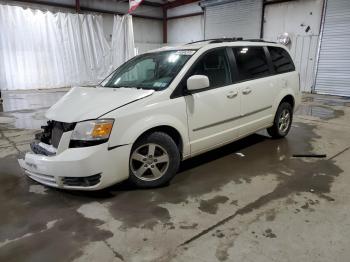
{"x": 162, "y": 107}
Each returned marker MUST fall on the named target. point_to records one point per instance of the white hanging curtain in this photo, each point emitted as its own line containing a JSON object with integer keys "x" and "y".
{"x": 86, "y": 52}
{"x": 122, "y": 39}
{"x": 46, "y": 50}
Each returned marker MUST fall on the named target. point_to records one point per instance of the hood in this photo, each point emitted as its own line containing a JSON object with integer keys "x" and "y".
{"x": 83, "y": 103}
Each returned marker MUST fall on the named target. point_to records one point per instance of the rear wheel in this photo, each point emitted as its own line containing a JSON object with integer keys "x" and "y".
{"x": 282, "y": 122}
{"x": 154, "y": 160}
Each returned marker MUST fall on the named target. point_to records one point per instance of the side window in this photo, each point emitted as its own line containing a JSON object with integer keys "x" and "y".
{"x": 215, "y": 66}
{"x": 251, "y": 62}
{"x": 281, "y": 60}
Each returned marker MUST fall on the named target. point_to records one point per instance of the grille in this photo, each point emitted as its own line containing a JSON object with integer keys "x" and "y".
{"x": 53, "y": 132}
{"x": 82, "y": 181}
{"x": 56, "y": 134}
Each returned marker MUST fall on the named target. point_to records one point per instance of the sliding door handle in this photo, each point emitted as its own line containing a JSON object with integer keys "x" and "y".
{"x": 232, "y": 94}
{"x": 246, "y": 91}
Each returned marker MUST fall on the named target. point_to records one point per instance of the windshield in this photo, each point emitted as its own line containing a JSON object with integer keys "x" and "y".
{"x": 149, "y": 71}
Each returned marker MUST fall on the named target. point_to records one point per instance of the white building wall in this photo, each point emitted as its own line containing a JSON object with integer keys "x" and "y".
{"x": 301, "y": 20}
{"x": 293, "y": 17}
{"x": 148, "y": 34}
{"x": 184, "y": 9}
{"x": 185, "y": 30}
{"x": 188, "y": 29}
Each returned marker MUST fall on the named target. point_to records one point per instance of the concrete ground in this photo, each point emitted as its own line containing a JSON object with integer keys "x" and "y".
{"x": 248, "y": 201}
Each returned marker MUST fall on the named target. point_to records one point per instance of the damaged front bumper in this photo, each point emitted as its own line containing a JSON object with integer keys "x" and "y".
{"x": 87, "y": 168}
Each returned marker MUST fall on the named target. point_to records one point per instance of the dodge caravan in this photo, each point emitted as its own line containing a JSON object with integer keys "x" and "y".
{"x": 162, "y": 107}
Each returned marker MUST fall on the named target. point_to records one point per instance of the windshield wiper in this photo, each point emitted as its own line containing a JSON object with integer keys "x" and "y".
{"x": 136, "y": 87}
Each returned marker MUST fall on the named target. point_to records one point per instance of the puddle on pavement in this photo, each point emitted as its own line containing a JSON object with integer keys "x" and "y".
{"x": 30, "y": 119}
{"x": 322, "y": 112}
{"x": 211, "y": 205}
{"x": 27, "y": 110}
{"x": 33, "y": 100}
{"x": 328, "y": 100}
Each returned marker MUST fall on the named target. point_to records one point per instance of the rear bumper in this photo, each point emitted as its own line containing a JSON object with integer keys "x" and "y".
{"x": 87, "y": 168}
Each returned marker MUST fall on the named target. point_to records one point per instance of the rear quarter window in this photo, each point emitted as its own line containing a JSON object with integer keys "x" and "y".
{"x": 281, "y": 60}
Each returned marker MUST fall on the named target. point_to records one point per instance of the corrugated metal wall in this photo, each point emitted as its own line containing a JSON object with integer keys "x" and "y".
{"x": 232, "y": 19}
{"x": 333, "y": 69}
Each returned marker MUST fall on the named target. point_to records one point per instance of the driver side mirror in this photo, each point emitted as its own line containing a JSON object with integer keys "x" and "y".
{"x": 197, "y": 82}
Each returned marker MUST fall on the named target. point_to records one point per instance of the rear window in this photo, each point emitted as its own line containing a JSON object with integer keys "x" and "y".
{"x": 251, "y": 62}
{"x": 281, "y": 60}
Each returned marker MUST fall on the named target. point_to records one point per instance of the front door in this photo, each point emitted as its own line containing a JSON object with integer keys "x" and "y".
{"x": 213, "y": 113}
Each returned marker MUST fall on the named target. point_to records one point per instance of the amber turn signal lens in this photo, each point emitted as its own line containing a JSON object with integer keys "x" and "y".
{"x": 102, "y": 130}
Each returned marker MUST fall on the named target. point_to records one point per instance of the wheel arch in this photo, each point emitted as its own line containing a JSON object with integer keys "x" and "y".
{"x": 286, "y": 95}
{"x": 169, "y": 130}
{"x": 289, "y": 99}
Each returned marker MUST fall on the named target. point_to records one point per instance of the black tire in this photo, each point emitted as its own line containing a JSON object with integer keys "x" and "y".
{"x": 276, "y": 131}
{"x": 162, "y": 142}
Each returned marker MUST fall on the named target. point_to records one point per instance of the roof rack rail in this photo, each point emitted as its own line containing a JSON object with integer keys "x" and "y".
{"x": 232, "y": 39}
{"x": 259, "y": 40}
{"x": 222, "y": 40}
{"x": 217, "y": 40}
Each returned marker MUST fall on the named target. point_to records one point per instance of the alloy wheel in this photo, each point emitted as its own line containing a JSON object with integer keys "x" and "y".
{"x": 149, "y": 162}
{"x": 284, "y": 121}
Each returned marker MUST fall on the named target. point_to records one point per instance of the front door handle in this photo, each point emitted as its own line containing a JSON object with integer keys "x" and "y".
{"x": 232, "y": 94}
{"x": 246, "y": 91}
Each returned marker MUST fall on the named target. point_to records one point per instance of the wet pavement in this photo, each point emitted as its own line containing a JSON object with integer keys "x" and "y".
{"x": 248, "y": 201}
{"x": 26, "y": 109}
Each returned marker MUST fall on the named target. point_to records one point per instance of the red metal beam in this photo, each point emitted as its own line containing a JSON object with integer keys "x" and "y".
{"x": 77, "y": 6}
{"x": 165, "y": 25}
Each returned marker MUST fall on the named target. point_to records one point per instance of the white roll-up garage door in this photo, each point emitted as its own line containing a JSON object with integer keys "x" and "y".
{"x": 333, "y": 70}
{"x": 233, "y": 18}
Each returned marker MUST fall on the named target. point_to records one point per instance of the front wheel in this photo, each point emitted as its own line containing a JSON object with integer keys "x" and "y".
{"x": 154, "y": 160}
{"x": 282, "y": 122}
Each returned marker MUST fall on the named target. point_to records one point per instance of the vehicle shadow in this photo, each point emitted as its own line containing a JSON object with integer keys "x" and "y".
{"x": 186, "y": 165}
{"x": 222, "y": 152}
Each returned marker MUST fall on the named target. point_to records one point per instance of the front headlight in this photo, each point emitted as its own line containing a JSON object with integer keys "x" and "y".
{"x": 92, "y": 131}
